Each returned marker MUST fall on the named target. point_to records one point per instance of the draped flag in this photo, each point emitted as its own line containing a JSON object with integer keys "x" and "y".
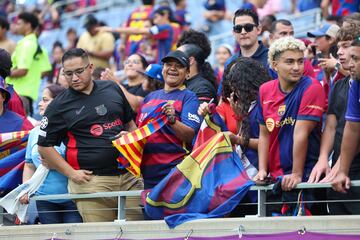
{"x": 12, "y": 155}
{"x": 210, "y": 182}
{"x": 131, "y": 145}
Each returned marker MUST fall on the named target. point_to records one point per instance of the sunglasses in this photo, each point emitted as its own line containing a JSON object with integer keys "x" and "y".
{"x": 247, "y": 27}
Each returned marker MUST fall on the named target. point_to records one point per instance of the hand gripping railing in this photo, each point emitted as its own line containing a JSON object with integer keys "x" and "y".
{"x": 121, "y": 195}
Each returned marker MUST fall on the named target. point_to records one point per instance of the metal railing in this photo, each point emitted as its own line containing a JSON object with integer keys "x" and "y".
{"x": 121, "y": 195}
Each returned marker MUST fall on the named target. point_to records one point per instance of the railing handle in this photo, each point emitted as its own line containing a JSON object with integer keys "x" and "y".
{"x": 121, "y": 208}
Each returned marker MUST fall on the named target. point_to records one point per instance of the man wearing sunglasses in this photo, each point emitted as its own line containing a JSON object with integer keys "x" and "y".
{"x": 246, "y": 30}
{"x": 85, "y": 118}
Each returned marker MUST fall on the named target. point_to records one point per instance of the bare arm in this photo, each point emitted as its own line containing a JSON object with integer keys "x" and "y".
{"x": 325, "y": 7}
{"x": 302, "y": 132}
{"x": 29, "y": 169}
{"x": 134, "y": 101}
{"x": 183, "y": 132}
{"x": 349, "y": 147}
{"x": 28, "y": 172}
{"x": 16, "y": 73}
{"x": 263, "y": 152}
{"x": 126, "y": 30}
{"x": 130, "y": 126}
{"x": 327, "y": 144}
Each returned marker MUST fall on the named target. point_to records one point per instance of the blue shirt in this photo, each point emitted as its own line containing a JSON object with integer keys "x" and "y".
{"x": 353, "y": 107}
{"x": 252, "y": 154}
{"x": 260, "y": 55}
{"x": 13, "y": 122}
{"x": 55, "y": 182}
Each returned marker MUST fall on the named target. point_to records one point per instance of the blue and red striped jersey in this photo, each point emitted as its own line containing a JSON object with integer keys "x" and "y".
{"x": 279, "y": 112}
{"x": 345, "y": 7}
{"x": 164, "y": 34}
{"x": 163, "y": 149}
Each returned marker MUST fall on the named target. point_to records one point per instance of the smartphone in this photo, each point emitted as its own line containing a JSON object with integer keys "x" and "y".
{"x": 319, "y": 55}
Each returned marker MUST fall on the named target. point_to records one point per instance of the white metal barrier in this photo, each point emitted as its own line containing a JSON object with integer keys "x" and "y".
{"x": 121, "y": 195}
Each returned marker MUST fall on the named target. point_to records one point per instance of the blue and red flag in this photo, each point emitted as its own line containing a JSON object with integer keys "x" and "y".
{"x": 210, "y": 182}
{"x": 12, "y": 156}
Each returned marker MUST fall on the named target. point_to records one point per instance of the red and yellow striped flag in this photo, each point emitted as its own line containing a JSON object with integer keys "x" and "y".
{"x": 131, "y": 145}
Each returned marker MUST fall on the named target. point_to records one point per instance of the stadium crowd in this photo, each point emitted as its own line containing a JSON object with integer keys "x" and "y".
{"x": 292, "y": 106}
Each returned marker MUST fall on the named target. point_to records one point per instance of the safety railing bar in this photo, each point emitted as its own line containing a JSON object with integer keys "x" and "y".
{"x": 354, "y": 183}
{"x": 89, "y": 195}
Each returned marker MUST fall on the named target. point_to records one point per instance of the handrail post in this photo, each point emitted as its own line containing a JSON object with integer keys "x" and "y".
{"x": 1, "y": 216}
{"x": 121, "y": 207}
{"x": 261, "y": 203}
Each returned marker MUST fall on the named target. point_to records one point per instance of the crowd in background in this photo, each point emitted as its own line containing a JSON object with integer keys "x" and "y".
{"x": 291, "y": 105}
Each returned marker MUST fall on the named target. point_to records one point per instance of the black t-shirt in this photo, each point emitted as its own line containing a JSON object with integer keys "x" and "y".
{"x": 137, "y": 90}
{"x": 337, "y": 106}
{"x": 203, "y": 89}
{"x": 85, "y": 123}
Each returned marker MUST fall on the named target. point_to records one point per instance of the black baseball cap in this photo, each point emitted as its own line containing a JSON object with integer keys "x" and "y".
{"x": 179, "y": 56}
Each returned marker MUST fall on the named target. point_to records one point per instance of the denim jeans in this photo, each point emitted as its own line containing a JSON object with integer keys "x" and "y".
{"x": 50, "y": 212}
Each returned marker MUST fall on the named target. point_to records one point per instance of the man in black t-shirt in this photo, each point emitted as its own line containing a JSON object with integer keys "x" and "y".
{"x": 85, "y": 117}
{"x": 333, "y": 133}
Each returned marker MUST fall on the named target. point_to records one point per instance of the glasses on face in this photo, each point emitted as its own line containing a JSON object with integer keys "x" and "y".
{"x": 131, "y": 61}
{"x": 247, "y": 27}
{"x": 77, "y": 72}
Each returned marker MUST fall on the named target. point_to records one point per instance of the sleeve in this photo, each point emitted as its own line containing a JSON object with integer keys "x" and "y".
{"x": 332, "y": 98}
{"x": 25, "y": 56}
{"x": 128, "y": 112}
{"x": 45, "y": 62}
{"x": 189, "y": 114}
{"x": 312, "y": 103}
{"x": 82, "y": 42}
{"x": 29, "y": 146}
{"x": 161, "y": 31}
{"x": 52, "y": 127}
{"x": 353, "y": 106}
{"x": 206, "y": 92}
{"x": 260, "y": 116}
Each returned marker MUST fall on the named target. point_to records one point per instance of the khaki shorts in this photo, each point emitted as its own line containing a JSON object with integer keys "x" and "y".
{"x": 105, "y": 209}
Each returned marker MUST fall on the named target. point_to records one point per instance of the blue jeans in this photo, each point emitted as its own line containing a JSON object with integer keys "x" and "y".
{"x": 50, "y": 212}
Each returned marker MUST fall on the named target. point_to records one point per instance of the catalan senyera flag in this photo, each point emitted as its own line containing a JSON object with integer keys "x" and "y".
{"x": 12, "y": 155}
{"x": 210, "y": 182}
{"x": 131, "y": 145}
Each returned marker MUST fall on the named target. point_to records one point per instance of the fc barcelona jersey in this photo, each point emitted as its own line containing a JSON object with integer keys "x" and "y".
{"x": 279, "y": 112}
